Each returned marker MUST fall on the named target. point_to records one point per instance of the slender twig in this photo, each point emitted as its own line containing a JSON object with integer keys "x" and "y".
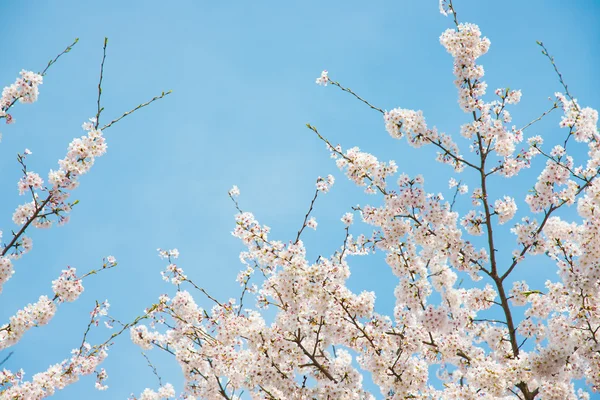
{"x": 455, "y": 194}
{"x": 554, "y": 107}
{"x": 348, "y": 90}
{"x": 66, "y": 50}
{"x": 111, "y": 123}
{"x": 560, "y": 77}
{"x": 312, "y": 203}
{"x": 451, "y": 8}
{"x": 345, "y": 243}
{"x": 153, "y": 367}
{"x": 126, "y": 326}
{"x": 6, "y": 358}
{"x": 244, "y": 291}
{"x": 94, "y": 271}
{"x": 237, "y": 206}
{"x": 89, "y": 326}
{"x": 100, "y": 108}
{"x": 201, "y": 289}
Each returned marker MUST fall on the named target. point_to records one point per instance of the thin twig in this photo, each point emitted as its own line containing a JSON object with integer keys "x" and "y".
{"x": 154, "y": 371}
{"x": 89, "y": 326}
{"x": 455, "y": 194}
{"x": 111, "y": 123}
{"x": 100, "y": 84}
{"x": 554, "y": 107}
{"x": 126, "y": 326}
{"x": 202, "y": 290}
{"x": 6, "y": 358}
{"x": 348, "y": 90}
{"x": 236, "y": 203}
{"x": 345, "y": 243}
{"x": 51, "y": 62}
{"x": 312, "y": 203}
{"x": 560, "y": 78}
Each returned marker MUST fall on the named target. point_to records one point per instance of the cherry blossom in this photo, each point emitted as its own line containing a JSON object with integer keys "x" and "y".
{"x": 310, "y": 336}
{"x": 297, "y": 330}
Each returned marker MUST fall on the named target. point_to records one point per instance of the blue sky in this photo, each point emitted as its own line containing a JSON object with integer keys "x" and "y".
{"x": 243, "y": 80}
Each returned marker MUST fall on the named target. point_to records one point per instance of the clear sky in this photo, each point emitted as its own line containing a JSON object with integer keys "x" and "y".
{"x": 243, "y": 80}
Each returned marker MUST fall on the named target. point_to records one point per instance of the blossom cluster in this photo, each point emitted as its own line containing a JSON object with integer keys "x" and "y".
{"x": 24, "y": 89}
{"x": 466, "y": 45}
{"x": 80, "y": 157}
{"x": 364, "y": 168}
{"x": 400, "y": 122}
{"x": 49, "y": 201}
{"x": 164, "y": 392}
{"x": 84, "y": 361}
{"x": 323, "y": 79}
{"x": 325, "y": 184}
{"x": 36, "y": 314}
{"x": 68, "y": 286}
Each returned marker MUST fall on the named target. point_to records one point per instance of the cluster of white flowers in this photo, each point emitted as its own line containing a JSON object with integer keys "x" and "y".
{"x": 364, "y": 169}
{"x": 474, "y": 222}
{"x": 142, "y": 337}
{"x": 348, "y": 219}
{"x": 31, "y": 180}
{"x": 462, "y": 189}
{"x": 57, "y": 376}
{"x": 505, "y": 208}
{"x": 582, "y": 121}
{"x": 6, "y": 270}
{"x": 234, "y": 191}
{"x": 465, "y": 44}
{"x": 25, "y": 89}
{"x": 81, "y": 155}
{"x": 37, "y": 314}
{"x": 445, "y": 8}
{"x": 400, "y": 122}
{"x": 323, "y": 79}
{"x": 325, "y": 184}
{"x": 173, "y": 253}
{"x": 164, "y": 392}
{"x": 67, "y": 287}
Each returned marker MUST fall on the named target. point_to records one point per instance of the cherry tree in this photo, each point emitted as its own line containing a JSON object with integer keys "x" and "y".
{"x": 462, "y": 327}
{"x": 309, "y": 336}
